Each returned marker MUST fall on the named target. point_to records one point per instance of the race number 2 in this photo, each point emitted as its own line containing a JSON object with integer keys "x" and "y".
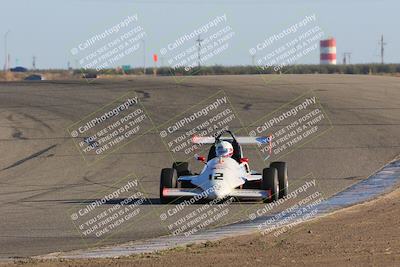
{"x": 216, "y": 176}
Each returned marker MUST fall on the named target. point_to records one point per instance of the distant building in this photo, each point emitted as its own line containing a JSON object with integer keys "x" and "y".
{"x": 34, "y": 77}
{"x": 19, "y": 69}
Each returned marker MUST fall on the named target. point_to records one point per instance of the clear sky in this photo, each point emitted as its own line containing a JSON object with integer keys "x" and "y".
{"x": 48, "y": 29}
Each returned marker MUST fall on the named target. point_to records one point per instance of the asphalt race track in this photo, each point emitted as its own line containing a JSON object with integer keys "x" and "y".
{"x": 43, "y": 178}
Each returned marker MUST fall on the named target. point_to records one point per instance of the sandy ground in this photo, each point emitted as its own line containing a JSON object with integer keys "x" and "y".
{"x": 364, "y": 235}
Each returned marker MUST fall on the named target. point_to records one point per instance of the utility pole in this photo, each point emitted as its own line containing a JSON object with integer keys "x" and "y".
{"x": 6, "y": 57}
{"x": 144, "y": 57}
{"x": 382, "y": 48}
{"x": 253, "y": 60}
{"x": 346, "y": 58}
{"x": 198, "y": 50}
{"x": 161, "y": 61}
{"x": 34, "y": 63}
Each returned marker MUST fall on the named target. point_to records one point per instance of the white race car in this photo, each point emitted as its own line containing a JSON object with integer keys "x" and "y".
{"x": 226, "y": 174}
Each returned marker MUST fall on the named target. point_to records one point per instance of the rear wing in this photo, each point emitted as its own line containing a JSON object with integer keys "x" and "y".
{"x": 240, "y": 139}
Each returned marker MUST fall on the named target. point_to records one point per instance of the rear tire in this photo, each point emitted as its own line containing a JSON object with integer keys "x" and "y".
{"x": 182, "y": 168}
{"x": 270, "y": 182}
{"x": 282, "y": 177}
{"x": 168, "y": 179}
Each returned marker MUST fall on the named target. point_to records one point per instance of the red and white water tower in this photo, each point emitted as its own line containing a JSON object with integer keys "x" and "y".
{"x": 328, "y": 51}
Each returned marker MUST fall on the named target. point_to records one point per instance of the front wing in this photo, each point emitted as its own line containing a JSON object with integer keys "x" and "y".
{"x": 197, "y": 192}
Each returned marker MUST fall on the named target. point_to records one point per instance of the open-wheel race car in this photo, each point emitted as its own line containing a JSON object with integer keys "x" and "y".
{"x": 226, "y": 173}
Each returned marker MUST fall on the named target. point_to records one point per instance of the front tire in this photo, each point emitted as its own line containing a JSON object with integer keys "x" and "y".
{"x": 270, "y": 182}
{"x": 282, "y": 177}
{"x": 168, "y": 179}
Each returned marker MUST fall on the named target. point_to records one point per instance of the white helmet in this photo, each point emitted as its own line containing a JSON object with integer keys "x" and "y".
{"x": 223, "y": 149}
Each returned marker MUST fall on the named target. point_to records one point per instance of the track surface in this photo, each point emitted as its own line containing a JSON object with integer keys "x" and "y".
{"x": 42, "y": 175}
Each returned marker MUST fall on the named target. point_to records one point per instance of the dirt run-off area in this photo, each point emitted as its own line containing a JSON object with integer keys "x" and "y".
{"x": 363, "y": 235}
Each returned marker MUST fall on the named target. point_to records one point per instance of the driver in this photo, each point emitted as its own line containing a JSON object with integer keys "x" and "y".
{"x": 223, "y": 149}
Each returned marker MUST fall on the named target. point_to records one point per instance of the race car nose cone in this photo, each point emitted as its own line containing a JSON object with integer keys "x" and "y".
{"x": 217, "y": 194}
